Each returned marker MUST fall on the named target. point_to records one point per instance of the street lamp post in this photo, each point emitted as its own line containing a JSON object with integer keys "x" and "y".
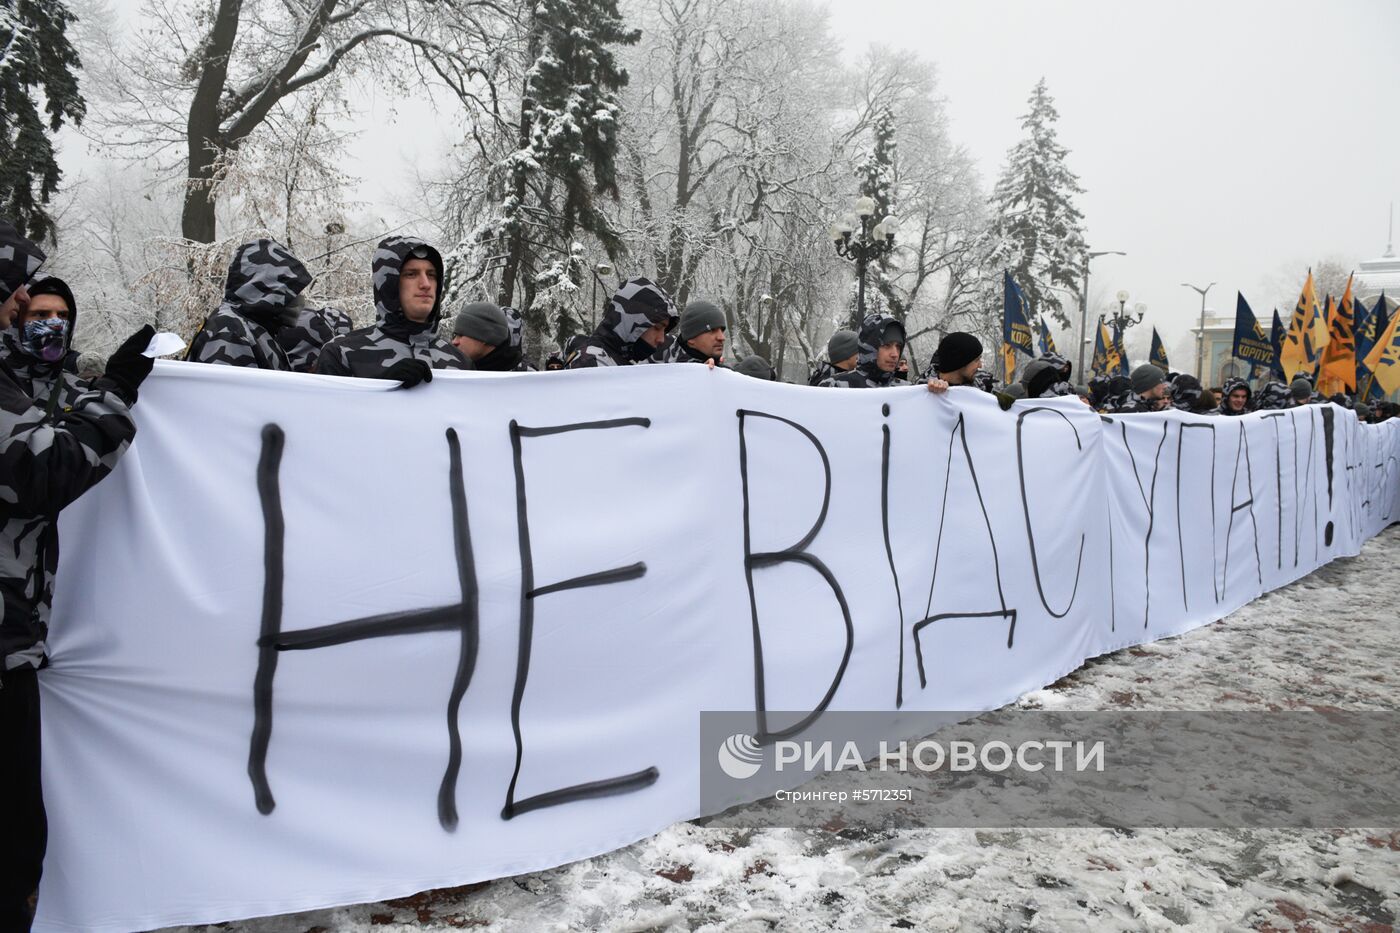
{"x": 1084, "y": 301}
{"x": 858, "y": 236}
{"x": 600, "y": 269}
{"x": 1201, "y": 334}
{"x": 1122, "y": 320}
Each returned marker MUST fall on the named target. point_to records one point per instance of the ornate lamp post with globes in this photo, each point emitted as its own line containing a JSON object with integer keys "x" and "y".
{"x": 860, "y": 237}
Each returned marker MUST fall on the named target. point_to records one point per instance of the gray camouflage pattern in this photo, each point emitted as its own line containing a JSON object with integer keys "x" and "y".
{"x": 617, "y": 341}
{"x": 45, "y": 463}
{"x": 264, "y": 283}
{"x": 315, "y": 327}
{"x": 370, "y": 351}
{"x": 867, "y": 375}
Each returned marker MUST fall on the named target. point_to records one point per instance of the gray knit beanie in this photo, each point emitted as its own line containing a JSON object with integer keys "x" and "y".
{"x": 755, "y": 366}
{"x": 843, "y": 345}
{"x": 483, "y": 321}
{"x": 1300, "y": 389}
{"x": 700, "y": 316}
{"x": 1146, "y": 378}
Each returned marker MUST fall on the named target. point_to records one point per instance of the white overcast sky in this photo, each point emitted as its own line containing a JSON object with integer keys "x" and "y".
{"x": 1217, "y": 140}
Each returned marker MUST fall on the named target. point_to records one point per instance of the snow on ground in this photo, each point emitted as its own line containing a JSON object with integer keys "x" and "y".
{"x": 1331, "y": 640}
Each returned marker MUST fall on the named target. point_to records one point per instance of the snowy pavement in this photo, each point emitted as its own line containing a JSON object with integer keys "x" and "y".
{"x": 1329, "y": 641}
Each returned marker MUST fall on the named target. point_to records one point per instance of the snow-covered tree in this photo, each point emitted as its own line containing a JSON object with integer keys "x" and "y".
{"x": 1036, "y": 231}
{"x": 566, "y": 147}
{"x": 204, "y": 77}
{"x": 35, "y": 55}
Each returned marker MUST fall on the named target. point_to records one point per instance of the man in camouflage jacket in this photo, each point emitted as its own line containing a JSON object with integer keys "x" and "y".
{"x": 45, "y": 370}
{"x": 403, "y": 344}
{"x": 261, "y": 297}
{"x": 638, "y": 318}
{"x": 46, "y": 462}
{"x": 881, "y": 345}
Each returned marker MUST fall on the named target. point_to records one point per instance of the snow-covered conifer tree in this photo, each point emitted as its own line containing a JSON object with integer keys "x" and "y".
{"x": 35, "y": 54}
{"x": 1036, "y": 231}
{"x": 567, "y": 147}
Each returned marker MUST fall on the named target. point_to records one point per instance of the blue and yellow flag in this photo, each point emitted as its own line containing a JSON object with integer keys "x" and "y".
{"x": 1047, "y": 343}
{"x": 1365, "y": 327}
{"x": 1099, "y": 364}
{"x": 1276, "y": 338}
{"x": 1252, "y": 346}
{"x": 1368, "y": 334}
{"x": 1384, "y": 359}
{"x": 1158, "y": 356}
{"x": 1015, "y": 326}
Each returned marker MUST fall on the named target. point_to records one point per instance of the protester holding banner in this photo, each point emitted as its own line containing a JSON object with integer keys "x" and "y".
{"x": 958, "y": 359}
{"x": 47, "y": 460}
{"x": 702, "y": 333}
{"x": 403, "y": 345}
{"x": 262, "y": 295}
{"x": 38, "y": 349}
{"x": 637, "y": 320}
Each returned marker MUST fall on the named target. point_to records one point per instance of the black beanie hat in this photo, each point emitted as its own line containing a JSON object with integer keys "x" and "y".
{"x": 53, "y": 285}
{"x": 484, "y": 321}
{"x": 956, "y": 350}
{"x": 701, "y": 316}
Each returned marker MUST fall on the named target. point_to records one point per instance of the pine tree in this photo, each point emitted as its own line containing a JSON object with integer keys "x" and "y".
{"x": 34, "y": 54}
{"x": 567, "y": 149}
{"x": 1037, "y": 233}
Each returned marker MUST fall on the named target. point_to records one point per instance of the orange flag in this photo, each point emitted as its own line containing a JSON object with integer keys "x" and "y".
{"x": 1338, "y": 369}
{"x": 1296, "y": 354}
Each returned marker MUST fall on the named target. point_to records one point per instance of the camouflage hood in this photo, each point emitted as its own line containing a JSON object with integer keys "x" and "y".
{"x": 19, "y": 260}
{"x": 388, "y": 260}
{"x": 634, "y": 308}
{"x": 264, "y": 284}
{"x": 1273, "y": 396}
{"x": 1062, "y": 365}
{"x": 875, "y": 331}
{"x": 1230, "y": 386}
{"x": 1185, "y": 392}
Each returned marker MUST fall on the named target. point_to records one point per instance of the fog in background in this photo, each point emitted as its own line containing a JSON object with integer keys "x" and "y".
{"x": 1230, "y": 142}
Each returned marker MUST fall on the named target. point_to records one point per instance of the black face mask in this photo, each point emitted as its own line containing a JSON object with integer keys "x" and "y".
{"x": 639, "y": 350}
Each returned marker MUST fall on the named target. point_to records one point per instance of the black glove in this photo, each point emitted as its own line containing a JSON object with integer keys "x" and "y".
{"x": 410, "y": 373}
{"x": 128, "y": 367}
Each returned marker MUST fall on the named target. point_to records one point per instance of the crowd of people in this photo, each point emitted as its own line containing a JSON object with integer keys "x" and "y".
{"x": 65, "y": 426}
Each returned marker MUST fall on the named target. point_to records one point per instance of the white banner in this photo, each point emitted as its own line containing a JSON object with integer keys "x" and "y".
{"x": 320, "y": 641}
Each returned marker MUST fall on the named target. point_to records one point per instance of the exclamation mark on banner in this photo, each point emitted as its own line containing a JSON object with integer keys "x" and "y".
{"x": 1328, "y": 418}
